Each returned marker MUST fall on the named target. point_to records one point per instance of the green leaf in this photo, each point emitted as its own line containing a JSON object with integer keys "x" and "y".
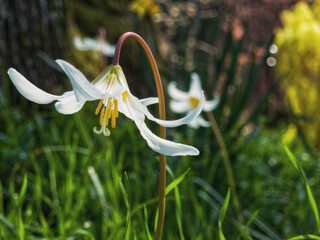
{"x": 312, "y": 202}
{"x": 291, "y": 157}
{"x": 313, "y": 206}
{"x": 176, "y": 182}
{"x": 307, "y": 236}
{"x": 224, "y": 208}
{"x": 222, "y": 214}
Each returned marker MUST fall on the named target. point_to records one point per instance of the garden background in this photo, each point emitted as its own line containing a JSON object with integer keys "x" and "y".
{"x": 58, "y": 180}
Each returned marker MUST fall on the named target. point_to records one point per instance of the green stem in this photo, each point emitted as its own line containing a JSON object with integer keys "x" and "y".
{"x": 227, "y": 164}
{"x": 162, "y": 133}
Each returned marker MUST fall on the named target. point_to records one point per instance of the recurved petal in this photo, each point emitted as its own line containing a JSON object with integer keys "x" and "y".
{"x": 85, "y": 44}
{"x": 180, "y": 106}
{"x": 149, "y": 101}
{"x": 30, "y": 91}
{"x": 69, "y": 104}
{"x": 195, "y": 86}
{"x": 83, "y": 89}
{"x": 163, "y": 146}
{"x": 137, "y": 106}
{"x": 108, "y": 49}
{"x": 211, "y": 105}
{"x": 202, "y": 122}
{"x": 175, "y": 93}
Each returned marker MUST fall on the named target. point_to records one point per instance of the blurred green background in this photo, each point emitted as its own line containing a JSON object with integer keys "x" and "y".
{"x": 58, "y": 180}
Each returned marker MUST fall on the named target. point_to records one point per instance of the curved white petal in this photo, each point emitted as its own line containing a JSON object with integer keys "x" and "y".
{"x": 83, "y": 89}
{"x": 163, "y": 146}
{"x": 108, "y": 49}
{"x": 135, "y": 104}
{"x": 149, "y": 101}
{"x": 69, "y": 104}
{"x": 30, "y": 91}
{"x": 202, "y": 122}
{"x": 195, "y": 86}
{"x": 211, "y": 104}
{"x": 85, "y": 44}
{"x": 124, "y": 109}
{"x": 176, "y": 93}
{"x": 180, "y": 106}
{"x": 194, "y": 124}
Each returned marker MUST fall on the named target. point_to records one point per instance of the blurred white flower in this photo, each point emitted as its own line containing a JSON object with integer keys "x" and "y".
{"x": 90, "y": 44}
{"x": 183, "y": 102}
{"x": 111, "y": 88}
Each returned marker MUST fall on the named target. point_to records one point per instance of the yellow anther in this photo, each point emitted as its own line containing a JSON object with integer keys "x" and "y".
{"x": 194, "y": 101}
{"x": 109, "y": 112}
{"x": 125, "y": 95}
{"x": 102, "y": 115}
{"x": 113, "y": 119}
{"x": 116, "y": 107}
{"x": 99, "y": 107}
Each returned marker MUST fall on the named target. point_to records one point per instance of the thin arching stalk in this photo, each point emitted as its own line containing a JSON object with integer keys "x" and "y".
{"x": 162, "y": 134}
{"x": 227, "y": 164}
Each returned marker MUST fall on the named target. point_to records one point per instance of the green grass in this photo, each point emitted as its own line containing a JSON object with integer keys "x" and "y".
{"x": 61, "y": 181}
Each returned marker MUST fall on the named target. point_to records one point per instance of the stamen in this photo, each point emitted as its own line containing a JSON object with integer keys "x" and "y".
{"x": 113, "y": 119}
{"x": 125, "y": 95}
{"x": 102, "y": 115}
{"x": 99, "y": 107}
{"x": 116, "y": 108}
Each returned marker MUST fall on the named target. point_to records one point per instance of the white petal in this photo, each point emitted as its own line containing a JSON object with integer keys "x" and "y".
{"x": 202, "y": 122}
{"x": 30, "y": 91}
{"x": 211, "y": 105}
{"x": 83, "y": 89}
{"x": 176, "y": 93}
{"x": 180, "y": 106}
{"x": 165, "y": 147}
{"x": 194, "y": 124}
{"x": 149, "y": 101}
{"x": 108, "y": 49}
{"x": 195, "y": 86}
{"x": 137, "y": 106}
{"x": 69, "y": 104}
{"x": 86, "y": 44}
{"x": 123, "y": 108}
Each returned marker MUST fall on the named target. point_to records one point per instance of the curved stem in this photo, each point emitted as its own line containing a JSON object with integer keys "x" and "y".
{"x": 227, "y": 164}
{"x": 162, "y": 134}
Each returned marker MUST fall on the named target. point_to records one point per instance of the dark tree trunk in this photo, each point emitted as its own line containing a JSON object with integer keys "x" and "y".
{"x": 32, "y": 34}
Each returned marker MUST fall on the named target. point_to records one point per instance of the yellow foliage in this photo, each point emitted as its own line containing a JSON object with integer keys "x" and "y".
{"x": 145, "y": 7}
{"x": 298, "y": 64}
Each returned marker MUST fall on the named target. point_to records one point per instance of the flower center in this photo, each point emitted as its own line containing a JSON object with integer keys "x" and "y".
{"x": 108, "y": 112}
{"x": 194, "y": 101}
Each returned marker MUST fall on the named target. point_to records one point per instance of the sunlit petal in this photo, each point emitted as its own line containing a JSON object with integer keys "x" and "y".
{"x": 83, "y": 89}
{"x": 69, "y": 104}
{"x": 30, "y": 91}
{"x": 164, "y": 146}
{"x": 137, "y": 106}
{"x": 176, "y": 93}
{"x": 149, "y": 101}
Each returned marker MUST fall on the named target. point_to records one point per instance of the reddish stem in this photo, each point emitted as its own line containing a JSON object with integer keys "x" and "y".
{"x": 162, "y": 134}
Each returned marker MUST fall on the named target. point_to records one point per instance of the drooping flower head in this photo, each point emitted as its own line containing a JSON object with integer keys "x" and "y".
{"x": 113, "y": 93}
{"x": 185, "y": 102}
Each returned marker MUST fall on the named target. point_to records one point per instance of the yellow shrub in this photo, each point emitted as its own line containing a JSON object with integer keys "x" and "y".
{"x": 298, "y": 64}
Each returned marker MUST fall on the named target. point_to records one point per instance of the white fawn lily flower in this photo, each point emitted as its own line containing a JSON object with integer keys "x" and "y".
{"x": 183, "y": 102}
{"x": 112, "y": 91}
{"x": 90, "y": 44}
